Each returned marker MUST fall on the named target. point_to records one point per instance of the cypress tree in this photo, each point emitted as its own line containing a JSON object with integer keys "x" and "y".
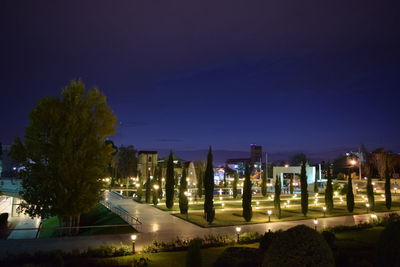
{"x": 246, "y": 198}
{"x": 234, "y": 185}
{"x": 183, "y": 200}
{"x": 158, "y": 182}
{"x": 148, "y": 189}
{"x": 370, "y": 194}
{"x": 350, "y": 195}
{"x": 170, "y": 182}
{"x": 225, "y": 184}
{"x": 277, "y": 198}
{"x": 200, "y": 184}
{"x": 209, "y": 210}
{"x": 329, "y": 189}
{"x": 264, "y": 183}
{"x": 304, "y": 191}
{"x": 388, "y": 194}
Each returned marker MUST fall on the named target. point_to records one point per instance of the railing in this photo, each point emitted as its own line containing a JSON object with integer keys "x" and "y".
{"x": 133, "y": 221}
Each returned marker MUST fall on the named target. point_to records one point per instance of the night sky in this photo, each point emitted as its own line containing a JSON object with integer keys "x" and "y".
{"x": 288, "y": 75}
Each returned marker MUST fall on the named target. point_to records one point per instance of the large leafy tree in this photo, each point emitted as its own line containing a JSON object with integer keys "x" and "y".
{"x": 170, "y": 182}
{"x": 125, "y": 162}
{"x": 209, "y": 210}
{"x": 304, "y": 190}
{"x": 298, "y": 159}
{"x": 183, "y": 199}
{"x": 380, "y": 161}
{"x": 65, "y": 154}
{"x": 247, "y": 194}
{"x": 329, "y": 189}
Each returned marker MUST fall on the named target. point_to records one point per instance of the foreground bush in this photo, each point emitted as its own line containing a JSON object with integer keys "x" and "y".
{"x": 183, "y": 244}
{"x": 388, "y": 248}
{"x": 239, "y": 257}
{"x": 299, "y": 246}
{"x": 193, "y": 256}
{"x": 3, "y": 219}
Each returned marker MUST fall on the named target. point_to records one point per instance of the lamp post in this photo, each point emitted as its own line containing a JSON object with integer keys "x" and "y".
{"x": 367, "y": 205}
{"x": 324, "y": 209}
{"x": 315, "y": 224}
{"x": 133, "y": 238}
{"x": 269, "y": 215}
{"x": 238, "y": 229}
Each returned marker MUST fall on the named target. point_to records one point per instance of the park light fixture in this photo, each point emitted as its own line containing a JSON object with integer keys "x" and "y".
{"x": 324, "y": 209}
{"x": 269, "y": 215}
{"x": 156, "y": 187}
{"x": 238, "y": 229}
{"x": 336, "y": 193}
{"x": 367, "y": 205}
{"x": 353, "y": 162}
{"x": 223, "y": 205}
{"x": 315, "y": 224}
{"x": 286, "y": 165}
{"x": 133, "y": 238}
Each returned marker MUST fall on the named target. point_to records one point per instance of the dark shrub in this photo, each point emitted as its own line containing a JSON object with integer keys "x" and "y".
{"x": 3, "y": 219}
{"x": 388, "y": 249}
{"x": 299, "y": 246}
{"x": 193, "y": 256}
{"x": 142, "y": 262}
{"x": 239, "y": 257}
{"x": 330, "y": 238}
{"x": 249, "y": 237}
{"x": 267, "y": 238}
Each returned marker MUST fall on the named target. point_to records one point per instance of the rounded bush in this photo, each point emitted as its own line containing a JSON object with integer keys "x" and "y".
{"x": 388, "y": 249}
{"x": 299, "y": 246}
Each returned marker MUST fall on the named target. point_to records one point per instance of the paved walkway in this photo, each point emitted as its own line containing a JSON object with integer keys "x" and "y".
{"x": 160, "y": 226}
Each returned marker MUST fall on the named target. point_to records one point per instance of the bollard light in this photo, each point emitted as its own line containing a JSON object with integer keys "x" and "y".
{"x": 269, "y": 215}
{"x": 133, "y": 238}
{"x": 315, "y": 224}
{"x": 238, "y": 229}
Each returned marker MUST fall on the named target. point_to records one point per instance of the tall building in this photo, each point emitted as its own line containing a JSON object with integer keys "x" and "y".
{"x": 147, "y": 162}
{"x": 255, "y": 154}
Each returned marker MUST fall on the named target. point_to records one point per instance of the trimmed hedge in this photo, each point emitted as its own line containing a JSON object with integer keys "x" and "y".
{"x": 387, "y": 248}
{"x": 239, "y": 257}
{"x": 299, "y": 246}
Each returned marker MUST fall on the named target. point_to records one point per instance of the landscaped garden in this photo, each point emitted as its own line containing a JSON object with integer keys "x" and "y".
{"x": 229, "y": 210}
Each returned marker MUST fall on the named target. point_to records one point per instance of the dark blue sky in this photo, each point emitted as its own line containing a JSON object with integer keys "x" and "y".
{"x": 289, "y": 75}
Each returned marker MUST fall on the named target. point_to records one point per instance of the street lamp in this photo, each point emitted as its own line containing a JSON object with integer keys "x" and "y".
{"x": 223, "y": 204}
{"x": 324, "y": 209}
{"x": 133, "y": 238}
{"x": 315, "y": 224}
{"x": 156, "y": 187}
{"x": 238, "y": 229}
{"x": 269, "y": 215}
{"x": 367, "y": 205}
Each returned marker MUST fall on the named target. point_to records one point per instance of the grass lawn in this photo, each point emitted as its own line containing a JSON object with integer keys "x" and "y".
{"x": 99, "y": 216}
{"x": 226, "y": 217}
